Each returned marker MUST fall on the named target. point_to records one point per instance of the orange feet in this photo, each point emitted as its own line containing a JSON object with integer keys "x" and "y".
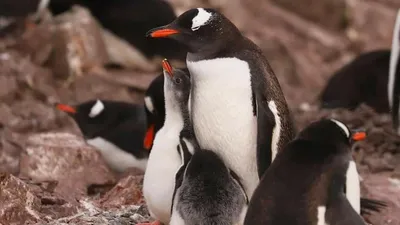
{"x": 157, "y": 222}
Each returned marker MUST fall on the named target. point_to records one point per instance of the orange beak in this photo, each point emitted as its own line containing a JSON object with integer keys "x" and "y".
{"x": 161, "y": 32}
{"x": 66, "y": 108}
{"x": 167, "y": 67}
{"x": 148, "y": 139}
{"x": 359, "y": 136}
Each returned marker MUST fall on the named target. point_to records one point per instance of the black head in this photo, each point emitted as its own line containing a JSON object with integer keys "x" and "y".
{"x": 330, "y": 131}
{"x": 155, "y": 109}
{"x": 97, "y": 116}
{"x": 200, "y": 29}
{"x": 176, "y": 82}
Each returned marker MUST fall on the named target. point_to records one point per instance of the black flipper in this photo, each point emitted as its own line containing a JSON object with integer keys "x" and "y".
{"x": 265, "y": 127}
{"x": 185, "y": 155}
{"x": 340, "y": 212}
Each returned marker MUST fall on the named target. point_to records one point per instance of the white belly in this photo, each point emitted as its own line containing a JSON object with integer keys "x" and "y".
{"x": 222, "y": 114}
{"x": 159, "y": 179}
{"x": 116, "y": 158}
{"x": 353, "y": 187}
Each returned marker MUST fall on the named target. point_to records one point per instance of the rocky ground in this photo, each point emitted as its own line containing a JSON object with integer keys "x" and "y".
{"x": 48, "y": 175}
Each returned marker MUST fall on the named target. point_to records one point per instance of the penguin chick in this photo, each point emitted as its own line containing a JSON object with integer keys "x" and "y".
{"x": 115, "y": 128}
{"x": 207, "y": 191}
{"x": 154, "y": 102}
{"x": 304, "y": 185}
{"x": 164, "y": 160}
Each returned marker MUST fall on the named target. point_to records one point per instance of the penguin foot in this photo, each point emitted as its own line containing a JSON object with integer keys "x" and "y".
{"x": 157, "y": 222}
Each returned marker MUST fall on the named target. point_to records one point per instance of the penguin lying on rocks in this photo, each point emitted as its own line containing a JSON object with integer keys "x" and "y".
{"x": 116, "y": 129}
{"x": 363, "y": 80}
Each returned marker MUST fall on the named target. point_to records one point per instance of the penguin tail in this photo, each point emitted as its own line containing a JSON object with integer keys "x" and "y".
{"x": 371, "y": 205}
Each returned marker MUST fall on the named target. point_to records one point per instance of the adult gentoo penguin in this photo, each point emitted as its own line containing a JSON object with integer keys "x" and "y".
{"x": 116, "y": 129}
{"x": 237, "y": 106}
{"x": 164, "y": 159}
{"x": 304, "y": 184}
{"x": 203, "y": 183}
{"x": 394, "y": 76}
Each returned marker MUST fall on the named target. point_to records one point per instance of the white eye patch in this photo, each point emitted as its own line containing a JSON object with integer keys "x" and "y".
{"x": 96, "y": 109}
{"x": 342, "y": 126}
{"x": 201, "y": 19}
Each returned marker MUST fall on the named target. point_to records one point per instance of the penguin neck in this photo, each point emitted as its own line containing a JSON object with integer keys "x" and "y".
{"x": 173, "y": 110}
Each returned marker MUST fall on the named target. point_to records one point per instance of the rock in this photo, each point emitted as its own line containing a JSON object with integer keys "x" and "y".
{"x": 335, "y": 10}
{"x": 380, "y": 187}
{"x": 64, "y": 158}
{"x": 25, "y": 76}
{"x": 128, "y": 191}
{"x": 36, "y": 42}
{"x": 92, "y": 215}
{"x": 122, "y": 53}
{"x": 23, "y": 203}
{"x": 372, "y": 23}
{"x": 9, "y": 153}
{"x": 78, "y": 44}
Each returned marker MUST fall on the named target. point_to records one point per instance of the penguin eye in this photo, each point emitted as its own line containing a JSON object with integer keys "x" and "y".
{"x": 178, "y": 80}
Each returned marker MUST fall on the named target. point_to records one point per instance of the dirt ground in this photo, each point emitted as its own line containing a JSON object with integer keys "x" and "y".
{"x": 303, "y": 50}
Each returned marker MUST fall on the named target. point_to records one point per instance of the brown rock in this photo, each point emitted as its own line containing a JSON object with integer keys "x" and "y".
{"x": 23, "y": 203}
{"x": 335, "y": 10}
{"x": 64, "y": 158}
{"x": 372, "y": 23}
{"x": 380, "y": 187}
{"x": 78, "y": 43}
{"x": 128, "y": 191}
{"x": 36, "y": 43}
{"x": 9, "y": 153}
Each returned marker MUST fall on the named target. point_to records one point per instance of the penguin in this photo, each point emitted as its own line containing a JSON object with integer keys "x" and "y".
{"x": 394, "y": 76}
{"x": 207, "y": 191}
{"x": 164, "y": 159}
{"x": 116, "y": 129}
{"x": 237, "y": 106}
{"x": 129, "y": 20}
{"x": 155, "y": 106}
{"x": 363, "y": 80}
{"x": 304, "y": 184}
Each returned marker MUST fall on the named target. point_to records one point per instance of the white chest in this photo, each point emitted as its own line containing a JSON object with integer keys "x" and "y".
{"x": 222, "y": 114}
{"x": 116, "y": 158}
{"x": 159, "y": 179}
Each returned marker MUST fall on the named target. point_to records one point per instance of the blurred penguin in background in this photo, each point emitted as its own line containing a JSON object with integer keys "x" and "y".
{"x": 394, "y": 76}
{"x": 130, "y": 20}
